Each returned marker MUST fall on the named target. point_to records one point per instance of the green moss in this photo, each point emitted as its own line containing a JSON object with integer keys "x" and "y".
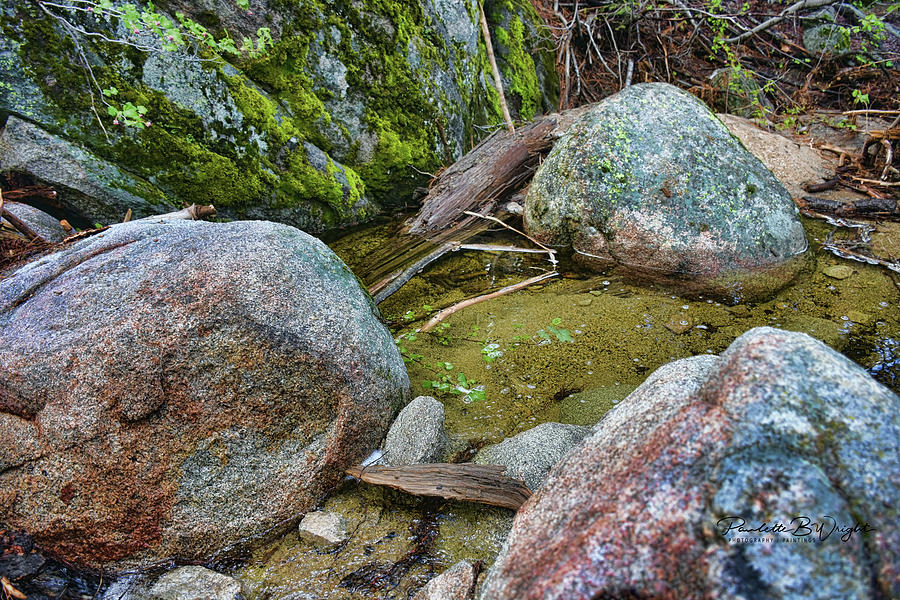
{"x": 520, "y": 69}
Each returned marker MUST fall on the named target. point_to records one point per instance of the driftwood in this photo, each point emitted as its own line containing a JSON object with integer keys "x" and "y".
{"x": 20, "y": 225}
{"x": 485, "y": 484}
{"x": 502, "y": 163}
{"x": 466, "y": 303}
{"x": 194, "y": 212}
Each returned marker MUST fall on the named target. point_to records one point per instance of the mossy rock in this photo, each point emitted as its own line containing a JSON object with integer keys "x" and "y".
{"x": 383, "y": 92}
{"x": 651, "y": 180}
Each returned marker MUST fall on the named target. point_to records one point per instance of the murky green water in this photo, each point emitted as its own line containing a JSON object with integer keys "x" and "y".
{"x": 566, "y": 350}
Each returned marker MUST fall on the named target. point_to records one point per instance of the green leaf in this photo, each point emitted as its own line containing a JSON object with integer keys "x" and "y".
{"x": 112, "y": 110}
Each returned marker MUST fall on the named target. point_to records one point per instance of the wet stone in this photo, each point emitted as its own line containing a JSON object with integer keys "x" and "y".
{"x": 838, "y": 271}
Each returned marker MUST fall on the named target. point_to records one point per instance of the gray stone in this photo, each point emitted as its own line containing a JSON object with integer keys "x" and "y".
{"x": 41, "y": 223}
{"x": 195, "y": 583}
{"x": 321, "y": 527}
{"x": 780, "y": 431}
{"x": 530, "y": 455}
{"x": 88, "y": 187}
{"x": 456, "y": 583}
{"x": 827, "y": 38}
{"x": 651, "y": 180}
{"x": 417, "y": 434}
{"x": 158, "y": 401}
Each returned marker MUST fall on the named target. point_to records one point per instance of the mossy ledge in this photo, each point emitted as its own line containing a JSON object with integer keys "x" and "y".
{"x": 353, "y": 103}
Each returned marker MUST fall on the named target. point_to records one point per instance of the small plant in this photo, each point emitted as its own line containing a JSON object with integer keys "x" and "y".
{"x": 461, "y": 385}
{"x": 491, "y": 352}
{"x": 562, "y": 335}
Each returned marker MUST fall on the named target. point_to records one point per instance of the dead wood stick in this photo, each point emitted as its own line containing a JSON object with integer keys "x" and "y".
{"x": 877, "y": 182}
{"x": 549, "y": 251}
{"x": 193, "y": 212}
{"x": 870, "y": 111}
{"x": 779, "y": 18}
{"x": 493, "y": 248}
{"x": 498, "y": 82}
{"x": 485, "y": 484}
{"x": 18, "y": 223}
{"x": 385, "y": 288}
{"x": 466, "y": 303}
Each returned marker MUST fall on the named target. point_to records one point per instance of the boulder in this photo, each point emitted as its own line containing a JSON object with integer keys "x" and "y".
{"x": 530, "y": 455}
{"x": 780, "y": 436}
{"x": 41, "y": 223}
{"x": 417, "y": 434}
{"x": 828, "y": 39}
{"x": 195, "y": 583}
{"x": 456, "y": 583}
{"x": 793, "y": 164}
{"x": 348, "y": 109}
{"x": 169, "y": 389}
{"x": 651, "y": 180}
{"x": 739, "y": 93}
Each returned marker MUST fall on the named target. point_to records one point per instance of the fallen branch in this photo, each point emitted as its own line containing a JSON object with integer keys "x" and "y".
{"x": 779, "y": 18}
{"x": 193, "y": 212}
{"x": 485, "y": 484}
{"x": 549, "y": 251}
{"x": 385, "y": 288}
{"x": 466, "y": 303}
{"x": 498, "y": 82}
{"x": 16, "y": 222}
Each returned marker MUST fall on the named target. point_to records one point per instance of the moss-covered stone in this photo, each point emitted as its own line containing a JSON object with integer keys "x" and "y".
{"x": 388, "y": 90}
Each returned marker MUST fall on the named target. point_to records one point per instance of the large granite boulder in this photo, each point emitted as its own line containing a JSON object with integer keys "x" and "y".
{"x": 349, "y": 109}
{"x": 674, "y": 491}
{"x": 170, "y": 388}
{"x": 651, "y": 180}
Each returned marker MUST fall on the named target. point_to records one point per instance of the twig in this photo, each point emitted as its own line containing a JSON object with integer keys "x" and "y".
{"x": 630, "y": 72}
{"x": 19, "y": 224}
{"x": 778, "y": 19}
{"x": 498, "y": 82}
{"x": 466, "y": 303}
{"x": 870, "y": 111}
{"x": 385, "y": 288}
{"x": 876, "y": 182}
{"x": 549, "y": 251}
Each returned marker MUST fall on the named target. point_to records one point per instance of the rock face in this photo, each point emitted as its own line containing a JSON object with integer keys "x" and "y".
{"x": 87, "y": 186}
{"x": 530, "y": 455}
{"x": 417, "y": 434}
{"x": 651, "y": 180}
{"x": 40, "y": 222}
{"x": 351, "y": 103}
{"x": 167, "y": 389}
{"x": 777, "y": 430}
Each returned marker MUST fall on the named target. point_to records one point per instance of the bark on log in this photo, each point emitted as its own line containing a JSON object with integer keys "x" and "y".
{"x": 485, "y": 484}
{"x": 502, "y": 163}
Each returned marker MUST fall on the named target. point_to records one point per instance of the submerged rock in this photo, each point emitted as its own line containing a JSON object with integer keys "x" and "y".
{"x": 322, "y": 527}
{"x": 651, "y": 180}
{"x": 195, "y": 583}
{"x": 417, "y": 434}
{"x": 456, "y": 583}
{"x": 779, "y": 430}
{"x": 170, "y": 389}
{"x": 530, "y": 455}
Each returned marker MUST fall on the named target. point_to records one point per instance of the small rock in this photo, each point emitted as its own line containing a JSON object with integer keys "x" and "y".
{"x": 679, "y": 324}
{"x": 456, "y": 583}
{"x": 740, "y": 311}
{"x": 859, "y": 317}
{"x": 838, "y": 271}
{"x": 530, "y": 455}
{"x": 417, "y": 434}
{"x": 195, "y": 583}
{"x": 322, "y": 527}
{"x": 585, "y": 301}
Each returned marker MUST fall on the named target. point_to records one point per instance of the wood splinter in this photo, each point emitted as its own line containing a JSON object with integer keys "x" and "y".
{"x": 468, "y": 482}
